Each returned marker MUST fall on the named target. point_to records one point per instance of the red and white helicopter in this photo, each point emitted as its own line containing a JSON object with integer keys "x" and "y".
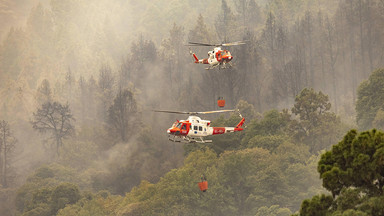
{"x": 216, "y": 57}
{"x": 194, "y": 128}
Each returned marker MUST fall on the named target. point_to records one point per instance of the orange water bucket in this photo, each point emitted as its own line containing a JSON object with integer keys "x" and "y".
{"x": 203, "y": 186}
{"x": 221, "y": 102}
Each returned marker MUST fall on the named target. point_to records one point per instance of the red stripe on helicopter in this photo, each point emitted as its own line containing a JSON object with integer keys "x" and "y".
{"x": 218, "y": 130}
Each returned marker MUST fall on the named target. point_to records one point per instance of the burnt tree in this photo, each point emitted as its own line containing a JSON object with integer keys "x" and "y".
{"x": 55, "y": 119}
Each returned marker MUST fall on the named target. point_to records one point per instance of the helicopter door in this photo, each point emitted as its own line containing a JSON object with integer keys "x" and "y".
{"x": 218, "y": 56}
{"x": 212, "y": 57}
{"x": 184, "y": 129}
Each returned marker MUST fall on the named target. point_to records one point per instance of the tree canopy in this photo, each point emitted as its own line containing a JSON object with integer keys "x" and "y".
{"x": 370, "y": 99}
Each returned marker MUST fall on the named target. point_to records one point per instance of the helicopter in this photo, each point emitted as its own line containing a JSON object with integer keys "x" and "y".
{"x": 194, "y": 128}
{"x": 217, "y": 57}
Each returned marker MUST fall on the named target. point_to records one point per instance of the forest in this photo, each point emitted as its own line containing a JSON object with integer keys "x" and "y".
{"x": 79, "y": 81}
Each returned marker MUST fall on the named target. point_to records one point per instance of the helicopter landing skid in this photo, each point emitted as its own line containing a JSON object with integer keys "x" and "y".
{"x": 220, "y": 66}
{"x": 188, "y": 139}
{"x": 212, "y": 67}
{"x": 197, "y": 140}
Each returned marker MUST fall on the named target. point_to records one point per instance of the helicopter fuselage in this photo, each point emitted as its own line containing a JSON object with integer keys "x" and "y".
{"x": 216, "y": 57}
{"x": 194, "y": 128}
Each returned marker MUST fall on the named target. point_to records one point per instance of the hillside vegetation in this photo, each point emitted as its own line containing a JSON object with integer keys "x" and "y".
{"x": 79, "y": 80}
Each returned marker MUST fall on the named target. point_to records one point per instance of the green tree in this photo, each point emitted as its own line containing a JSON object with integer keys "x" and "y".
{"x": 356, "y": 161}
{"x": 348, "y": 199}
{"x": 63, "y": 194}
{"x": 273, "y": 123}
{"x": 317, "y": 206}
{"x": 274, "y": 210}
{"x": 373, "y": 206}
{"x": 353, "y": 172}
{"x": 370, "y": 99}
{"x": 100, "y": 204}
{"x": 317, "y": 127}
{"x": 49, "y": 188}
{"x": 378, "y": 121}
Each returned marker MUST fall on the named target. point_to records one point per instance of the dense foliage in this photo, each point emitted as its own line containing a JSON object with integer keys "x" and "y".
{"x": 107, "y": 63}
{"x": 353, "y": 172}
{"x": 370, "y": 101}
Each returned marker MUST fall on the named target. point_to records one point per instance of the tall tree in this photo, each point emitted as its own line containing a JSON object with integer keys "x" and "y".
{"x": 44, "y": 92}
{"x": 68, "y": 85}
{"x": 106, "y": 84}
{"x": 106, "y": 79}
{"x": 318, "y": 126}
{"x": 226, "y": 25}
{"x": 7, "y": 145}
{"x": 308, "y": 29}
{"x": 55, "y": 119}
{"x": 332, "y": 50}
{"x": 122, "y": 114}
{"x": 173, "y": 54}
{"x": 200, "y": 32}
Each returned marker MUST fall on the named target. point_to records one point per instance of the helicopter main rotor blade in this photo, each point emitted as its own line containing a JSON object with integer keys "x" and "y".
{"x": 199, "y": 44}
{"x": 215, "y": 111}
{"x": 193, "y": 113}
{"x": 217, "y": 45}
{"x": 233, "y": 43}
{"x": 168, "y": 111}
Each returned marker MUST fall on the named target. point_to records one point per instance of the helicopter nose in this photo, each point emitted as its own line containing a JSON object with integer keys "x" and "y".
{"x": 171, "y": 131}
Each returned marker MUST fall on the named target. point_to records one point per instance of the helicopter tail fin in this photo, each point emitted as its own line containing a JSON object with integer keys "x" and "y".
{"x": 238, "y": 127}
{"x": 195, "y": 57}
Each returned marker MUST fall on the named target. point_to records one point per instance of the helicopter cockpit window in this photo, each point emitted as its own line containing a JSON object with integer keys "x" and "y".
{"x": 184, "y": 127}
{"x": 178, "y": 125}
{"x": 200, "y": 128}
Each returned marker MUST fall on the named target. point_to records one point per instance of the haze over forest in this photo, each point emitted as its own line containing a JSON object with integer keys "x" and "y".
{"x": 308, "y": 82}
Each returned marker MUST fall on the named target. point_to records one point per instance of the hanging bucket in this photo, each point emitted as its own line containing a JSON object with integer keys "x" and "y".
{"x": 203, "y": 186}
{"x": 220, "y": 102}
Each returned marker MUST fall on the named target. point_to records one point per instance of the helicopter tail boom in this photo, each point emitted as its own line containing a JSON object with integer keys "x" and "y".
{"x": 197, "y": 60}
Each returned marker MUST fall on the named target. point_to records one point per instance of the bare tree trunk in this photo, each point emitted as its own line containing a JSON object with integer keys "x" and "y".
{"x": 369, "y": 21}
{"x": 309, "y": 31}
{"x": 5, "y": 184}
{"x": 2, "y": 166}
{"x": 352, "y": 55}
{"x": 361, "y": 32}
{"x": 332, "y": 57}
